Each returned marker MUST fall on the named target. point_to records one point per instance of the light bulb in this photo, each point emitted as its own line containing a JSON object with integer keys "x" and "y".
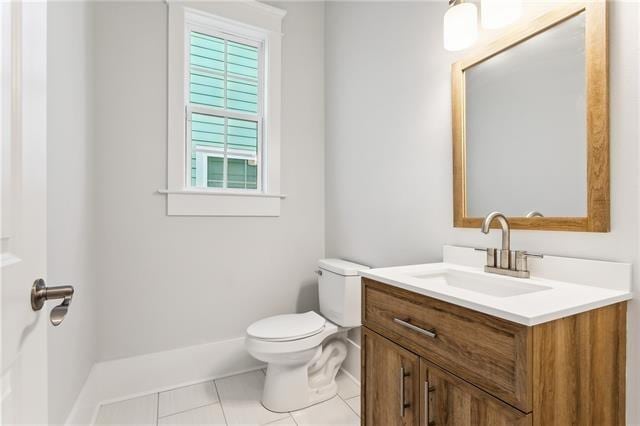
{"x": 460, "y": 26}
{"x": 500, "y": 13}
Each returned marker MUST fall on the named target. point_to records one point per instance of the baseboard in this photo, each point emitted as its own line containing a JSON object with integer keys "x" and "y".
{"x": 120, "y": 379}
{"x": 351, "y": 364}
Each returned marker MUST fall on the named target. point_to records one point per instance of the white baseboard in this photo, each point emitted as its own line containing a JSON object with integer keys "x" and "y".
{"x": 351, "y": 364}
{"x": 120, "y": 379}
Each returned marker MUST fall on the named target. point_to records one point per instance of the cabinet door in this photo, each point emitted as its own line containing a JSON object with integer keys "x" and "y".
{"x": 391, "y": 377}
{"x": 448, "y": 400}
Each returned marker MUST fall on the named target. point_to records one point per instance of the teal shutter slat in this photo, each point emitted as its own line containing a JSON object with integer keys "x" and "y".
{"x": 210, "y": 42}
{"x": 242, "y": 86}
{"x": 242, "y": 50}
{"x": 230, "y": 85}
{"x": 242, "y": 134}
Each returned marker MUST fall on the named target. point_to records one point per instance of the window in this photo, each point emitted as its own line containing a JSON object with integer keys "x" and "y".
{"x": 224, "y": 110}
{"x": 224, "y": 84}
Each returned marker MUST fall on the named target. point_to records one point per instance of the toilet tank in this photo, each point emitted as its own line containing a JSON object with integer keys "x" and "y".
{"x": 339, "y": 291}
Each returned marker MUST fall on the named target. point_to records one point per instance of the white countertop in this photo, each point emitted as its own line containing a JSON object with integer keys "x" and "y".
{"x": 554, "y": 299}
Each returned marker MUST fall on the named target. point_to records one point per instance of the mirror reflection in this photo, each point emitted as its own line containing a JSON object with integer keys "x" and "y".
{"x": 525, "y": 114}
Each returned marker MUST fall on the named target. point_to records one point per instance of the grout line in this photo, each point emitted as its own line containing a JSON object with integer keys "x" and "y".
{"x": 354, "y": 411}
{"x": 157, "y": 407}
{"x": 215, "y": 385}
{"x": 284, "y": 418}
{"x": 189, "y": 409}
{"x": 293, "y": 418}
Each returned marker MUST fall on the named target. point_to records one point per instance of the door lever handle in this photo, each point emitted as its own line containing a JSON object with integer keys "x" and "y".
{"x": 40, "y": 293}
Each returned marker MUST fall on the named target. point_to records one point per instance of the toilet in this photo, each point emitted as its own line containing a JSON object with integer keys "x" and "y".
{"x": 304, "y": 351}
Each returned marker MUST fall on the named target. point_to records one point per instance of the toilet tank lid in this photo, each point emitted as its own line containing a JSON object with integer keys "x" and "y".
{"x": 341, "y": 267}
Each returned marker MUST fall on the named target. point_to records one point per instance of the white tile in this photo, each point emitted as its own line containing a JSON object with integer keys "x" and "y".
{"x": 354, "y": 403}
{"x": 207, "y": 415}
{"x": 186, "y": 398}
{"x": 283, "y": 422}
{"x": 347, "y": 388}
{"x": 138, "y": 411}
{"x": 332, "y": 412}
{"x": 240, "y": 397}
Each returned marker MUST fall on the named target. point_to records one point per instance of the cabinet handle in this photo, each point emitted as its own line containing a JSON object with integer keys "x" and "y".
{"x": 426, "y": 403}
{"x": 430, "y": 333}
{"x": 403, "y": 403}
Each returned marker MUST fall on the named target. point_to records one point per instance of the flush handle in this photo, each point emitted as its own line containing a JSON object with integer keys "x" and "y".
{"x": 40, "y": 293}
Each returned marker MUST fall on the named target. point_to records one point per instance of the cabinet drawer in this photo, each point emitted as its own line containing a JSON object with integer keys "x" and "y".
{"x": 491, "y": 353}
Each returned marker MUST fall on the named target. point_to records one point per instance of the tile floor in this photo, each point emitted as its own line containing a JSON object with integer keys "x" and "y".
{"x": 232, "y": 400}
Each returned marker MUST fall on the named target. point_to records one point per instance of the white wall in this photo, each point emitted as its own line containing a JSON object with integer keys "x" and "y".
{"x": 168, "y": 282}
{"x": 72, "y": 345}
{"x": 388, "y": 147}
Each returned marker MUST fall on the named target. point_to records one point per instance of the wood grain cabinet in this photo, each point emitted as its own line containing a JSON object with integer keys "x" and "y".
{"x": 428, "y": 362}
{"x": 393, "y": 379}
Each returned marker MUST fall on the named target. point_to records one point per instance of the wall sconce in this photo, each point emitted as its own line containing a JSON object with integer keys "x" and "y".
{"x": 460, "y": 25}
{"x": 500, "y": 13}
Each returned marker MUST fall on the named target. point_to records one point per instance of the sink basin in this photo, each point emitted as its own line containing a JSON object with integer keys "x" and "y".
{"x": 496, "y": 286}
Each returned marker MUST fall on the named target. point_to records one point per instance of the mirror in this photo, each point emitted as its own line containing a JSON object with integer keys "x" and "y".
{"x": 525, "y": 153}
{"x": 531, "y": 126}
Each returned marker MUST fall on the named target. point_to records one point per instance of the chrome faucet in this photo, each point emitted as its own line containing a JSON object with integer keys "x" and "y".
{"x": 505, "y": 261}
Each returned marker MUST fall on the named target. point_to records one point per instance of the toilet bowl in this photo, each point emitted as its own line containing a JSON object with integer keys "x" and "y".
{"x": 304, "y": 351}
{"x": 302, "y": 364}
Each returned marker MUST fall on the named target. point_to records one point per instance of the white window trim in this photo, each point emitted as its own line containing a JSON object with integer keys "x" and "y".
{"x": 254, "y": 21}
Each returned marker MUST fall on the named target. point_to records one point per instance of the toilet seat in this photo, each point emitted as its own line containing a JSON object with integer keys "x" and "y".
{"x": 280, "y": 347}
{"x": 287, "y": 328}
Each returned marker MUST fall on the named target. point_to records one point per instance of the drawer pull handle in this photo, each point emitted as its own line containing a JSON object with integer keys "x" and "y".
{"x": 430, "y": 333}
{"x": 403, "y": 404}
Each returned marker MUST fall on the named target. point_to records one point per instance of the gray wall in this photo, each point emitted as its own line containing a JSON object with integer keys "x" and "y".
{"x": 72, "y": 346}
{"x": 168, "y": 282}
{"x": 388, "y": 146}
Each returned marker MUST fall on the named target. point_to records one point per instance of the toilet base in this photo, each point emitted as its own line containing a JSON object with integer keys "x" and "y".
{"x": 293, "y": 387}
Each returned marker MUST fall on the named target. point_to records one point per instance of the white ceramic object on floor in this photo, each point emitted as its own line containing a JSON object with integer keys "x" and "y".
{"x": 305, "y": 351}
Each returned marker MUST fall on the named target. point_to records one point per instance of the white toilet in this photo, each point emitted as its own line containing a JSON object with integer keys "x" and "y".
{"x": 305, "y": 351}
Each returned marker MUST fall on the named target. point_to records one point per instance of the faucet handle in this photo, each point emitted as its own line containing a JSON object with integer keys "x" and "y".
{"x": 538, "y": 255}
{"x": 521, "y": 259}
{"x": 491, "y": 256}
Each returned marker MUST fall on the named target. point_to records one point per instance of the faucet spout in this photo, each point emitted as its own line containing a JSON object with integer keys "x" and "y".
{"x": 504, "y": 224}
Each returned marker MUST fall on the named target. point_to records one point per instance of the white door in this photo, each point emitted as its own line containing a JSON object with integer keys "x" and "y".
{"x": 23, "y": 126}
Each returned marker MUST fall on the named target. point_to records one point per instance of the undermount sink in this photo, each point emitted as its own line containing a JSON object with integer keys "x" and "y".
{"x": 492, "y": 286}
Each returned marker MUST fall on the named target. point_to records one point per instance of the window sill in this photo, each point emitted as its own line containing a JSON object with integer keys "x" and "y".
{"x": 214, "y": 203}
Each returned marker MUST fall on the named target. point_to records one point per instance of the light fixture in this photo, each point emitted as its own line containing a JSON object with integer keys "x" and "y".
{"x": 500, "y": 13}
{"x": 460, "y": 25}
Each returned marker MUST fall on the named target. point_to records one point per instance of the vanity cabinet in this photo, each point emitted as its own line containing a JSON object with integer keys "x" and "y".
{"x": 429, "y": 362}
{"x": 393, "y": 380}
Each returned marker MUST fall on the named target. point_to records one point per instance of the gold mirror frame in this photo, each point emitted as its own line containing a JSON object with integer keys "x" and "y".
{"x": 597, "y": 90}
